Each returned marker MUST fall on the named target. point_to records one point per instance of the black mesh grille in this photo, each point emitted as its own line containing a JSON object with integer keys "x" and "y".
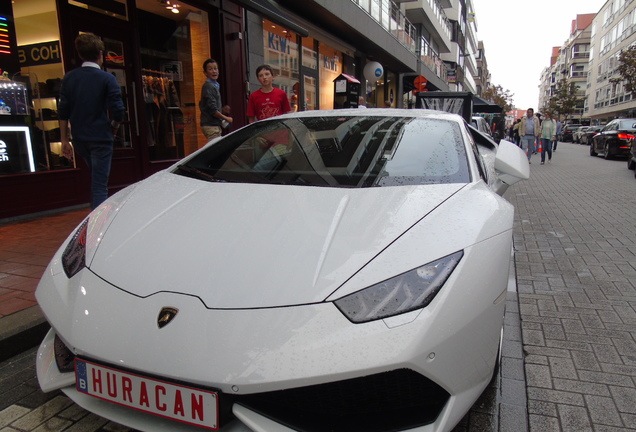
{"x": 389, "y": 401}
{"x": 64, "y": 357}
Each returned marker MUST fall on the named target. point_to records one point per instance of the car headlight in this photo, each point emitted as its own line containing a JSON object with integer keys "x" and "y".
{"x": 74, "y": 256}
{"x": 403, "y": 293}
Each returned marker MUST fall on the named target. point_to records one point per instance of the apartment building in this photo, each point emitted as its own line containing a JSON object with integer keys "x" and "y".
{"x": 482, "y": 77}
{"x": 613, "y": 30}
{"x": 548, "y": 81}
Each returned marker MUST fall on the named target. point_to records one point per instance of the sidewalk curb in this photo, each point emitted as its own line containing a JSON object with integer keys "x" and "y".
{"x": 21, "y": 331}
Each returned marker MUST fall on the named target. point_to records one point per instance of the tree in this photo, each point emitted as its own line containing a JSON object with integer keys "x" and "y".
{"x": 627, "y": 70}
{"x": 564, "y": 100}
{"x": 497, "y": 95}
{"x": 551, "y": 108}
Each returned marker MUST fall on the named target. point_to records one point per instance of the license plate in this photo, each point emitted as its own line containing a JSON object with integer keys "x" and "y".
{"x": 173, "y": 401}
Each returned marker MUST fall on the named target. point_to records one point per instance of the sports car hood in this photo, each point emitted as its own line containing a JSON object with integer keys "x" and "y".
{"x": 246, "y": 245}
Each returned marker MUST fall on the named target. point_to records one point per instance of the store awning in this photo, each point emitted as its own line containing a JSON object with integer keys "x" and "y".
{"x": 270, "y": 11}
{"x": 483, "y": 106}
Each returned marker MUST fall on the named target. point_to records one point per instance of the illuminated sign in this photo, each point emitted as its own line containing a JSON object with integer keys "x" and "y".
{"x": 40, "y": 53}
{"x": 5, "y": 39}
{"x": 16, "y": 152}
{"x": 278, "y": 43}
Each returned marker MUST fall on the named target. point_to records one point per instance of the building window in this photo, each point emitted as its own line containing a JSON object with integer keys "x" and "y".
{"x": 40, "y": 74}
{"x": 330, "y": 68}
{"x": 282, "y": 54}
{"x": 173, "y": 48}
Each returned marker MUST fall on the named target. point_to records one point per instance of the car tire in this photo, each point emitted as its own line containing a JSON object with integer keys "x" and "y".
{"x": 607, "y": 154}
{"x": 592, "y": 152}
{"x": 631, "y": 164}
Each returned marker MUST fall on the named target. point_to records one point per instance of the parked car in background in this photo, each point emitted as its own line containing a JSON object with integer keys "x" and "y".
{"x": 324, "y": 270}
{"x": 481, "y": 125}
{"x": 591, "y": 132}
{"x": 615, "y": 139}
{"x": 567, "y": 134}
{"x": 578, "y": 134}
{"x": 631, "y": 158}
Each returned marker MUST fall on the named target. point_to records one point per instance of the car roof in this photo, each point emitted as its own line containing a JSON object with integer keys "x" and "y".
{"x": 382, "y": 112}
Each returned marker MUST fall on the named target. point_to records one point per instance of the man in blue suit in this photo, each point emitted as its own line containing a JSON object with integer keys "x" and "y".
{"x": 87, "y": 95}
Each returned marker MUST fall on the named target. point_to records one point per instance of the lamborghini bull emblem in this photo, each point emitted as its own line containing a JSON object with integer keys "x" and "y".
{"x": 166, "y": 315}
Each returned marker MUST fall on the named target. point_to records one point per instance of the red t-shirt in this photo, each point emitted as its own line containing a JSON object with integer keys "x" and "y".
{"x": 265, "y": 105}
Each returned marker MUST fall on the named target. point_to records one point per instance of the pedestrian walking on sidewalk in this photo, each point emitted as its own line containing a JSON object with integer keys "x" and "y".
{"x": 529, "y": 129}
{"x": 548, "y": 136}
{"x": 87, "y": 94}
{"x": 559, "y": 129}
{"x": 515, "y": 131}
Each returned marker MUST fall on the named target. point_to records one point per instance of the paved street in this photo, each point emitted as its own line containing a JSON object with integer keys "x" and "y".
{"x": 575, "y": 248}
{"x": 573, "y": 318}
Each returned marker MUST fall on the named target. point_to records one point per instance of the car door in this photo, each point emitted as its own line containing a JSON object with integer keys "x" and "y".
{"x": 612, "y": 135}
{"x": 605, "y": 134}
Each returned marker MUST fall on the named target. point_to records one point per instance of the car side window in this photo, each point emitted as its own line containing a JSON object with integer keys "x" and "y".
{"x": 475, "y": 139}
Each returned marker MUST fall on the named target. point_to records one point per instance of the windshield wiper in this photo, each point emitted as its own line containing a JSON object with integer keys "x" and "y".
{"x": 196, "y": 173}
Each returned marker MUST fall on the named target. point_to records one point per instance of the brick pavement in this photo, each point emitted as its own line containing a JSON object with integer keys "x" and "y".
{"x": 23, "y": 407}
{"x": 575, "y": 254}
{"x": 27, "y": 247}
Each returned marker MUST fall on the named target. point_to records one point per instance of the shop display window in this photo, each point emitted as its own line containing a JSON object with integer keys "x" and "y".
{"x": 34, "y": 90}
{"x": 174, "y": 45}
{"x": 330, "y": 68}
{"x": 310, "y": 56}
{"x": 282, "y": 54}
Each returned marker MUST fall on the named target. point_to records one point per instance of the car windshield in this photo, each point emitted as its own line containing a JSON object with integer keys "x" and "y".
{"x": 346, "y": 151}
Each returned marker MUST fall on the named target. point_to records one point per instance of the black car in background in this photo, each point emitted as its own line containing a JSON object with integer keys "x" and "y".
{"x": 567, "y": 134}
{"x": 590, "y": 133}
{"x": 615, "y": 139}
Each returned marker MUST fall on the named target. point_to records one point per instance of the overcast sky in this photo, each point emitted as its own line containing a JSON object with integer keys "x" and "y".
{"x": 518, "y": 38}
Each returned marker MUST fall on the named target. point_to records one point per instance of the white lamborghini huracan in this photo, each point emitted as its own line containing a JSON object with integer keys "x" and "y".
{"x": 340, "y": 270}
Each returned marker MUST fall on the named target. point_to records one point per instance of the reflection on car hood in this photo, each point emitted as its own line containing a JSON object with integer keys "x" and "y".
{"x": 244, "y": 245}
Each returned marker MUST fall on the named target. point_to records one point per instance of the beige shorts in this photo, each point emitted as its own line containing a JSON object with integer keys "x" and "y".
{"x": 211, "y": 132}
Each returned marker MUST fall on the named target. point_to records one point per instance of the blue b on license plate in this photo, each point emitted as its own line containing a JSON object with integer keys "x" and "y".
{"x": 177, "y": 402}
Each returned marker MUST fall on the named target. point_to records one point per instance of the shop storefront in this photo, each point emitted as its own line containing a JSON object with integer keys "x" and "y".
{"x": 155, "y": 49}
{"x": 306, "y": 67}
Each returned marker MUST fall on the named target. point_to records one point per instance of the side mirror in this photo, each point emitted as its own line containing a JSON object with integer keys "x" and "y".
{"x": 511, "y": 163}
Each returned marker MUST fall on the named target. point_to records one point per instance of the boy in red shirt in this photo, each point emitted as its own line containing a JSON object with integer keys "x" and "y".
{"x": 268, "y": 101}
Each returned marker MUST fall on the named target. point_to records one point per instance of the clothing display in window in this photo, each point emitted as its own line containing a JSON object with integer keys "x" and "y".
{"x": 163, "y": 116}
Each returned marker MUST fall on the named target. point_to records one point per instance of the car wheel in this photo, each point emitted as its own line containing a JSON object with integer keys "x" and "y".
{"x": 607, "y": 154}
{"x": 592, "y": 152}
{"x": 631, "y": 164}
